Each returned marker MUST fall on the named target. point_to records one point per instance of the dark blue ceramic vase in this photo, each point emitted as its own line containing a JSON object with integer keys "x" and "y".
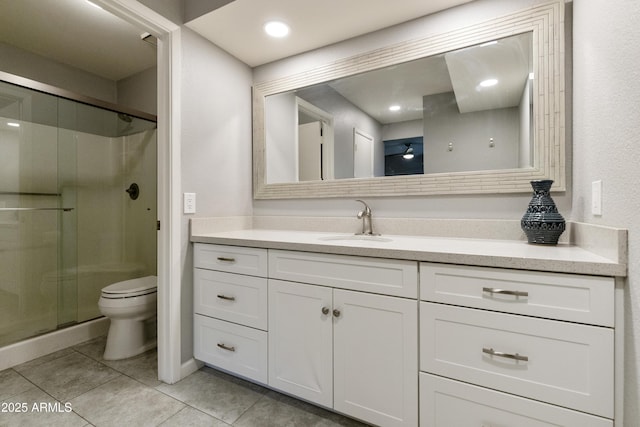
{"x": 542, "y": 223}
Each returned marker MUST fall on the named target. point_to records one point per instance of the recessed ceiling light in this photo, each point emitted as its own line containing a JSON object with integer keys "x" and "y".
{"x": 13, "y": 124}
{"x": 276, "y": 29}
{"x": 394, "y": 108}
{"x": 489, "y": 82}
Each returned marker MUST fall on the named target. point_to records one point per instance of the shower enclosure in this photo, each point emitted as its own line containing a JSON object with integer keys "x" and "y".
{"x": 68, "y": 226}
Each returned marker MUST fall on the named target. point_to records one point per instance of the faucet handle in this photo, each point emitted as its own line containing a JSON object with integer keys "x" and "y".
{"x": 366, "y": 211}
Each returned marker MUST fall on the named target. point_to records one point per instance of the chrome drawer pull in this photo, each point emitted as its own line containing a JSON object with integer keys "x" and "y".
{"x": 226, "y": 259}
{"x": 505, "y": 292}
{"x": 516, "y": 356}
{"x": 226, "y": 347}
{"x": 224, "y": 297}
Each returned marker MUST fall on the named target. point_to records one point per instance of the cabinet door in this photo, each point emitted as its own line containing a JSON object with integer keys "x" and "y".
{"x": 300, "y": 340}
{"x": 376, "y": 358}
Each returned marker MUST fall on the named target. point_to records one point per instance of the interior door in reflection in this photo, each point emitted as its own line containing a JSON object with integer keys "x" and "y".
{"x": 362, "y": 154}
{"x": 310, "y": 151}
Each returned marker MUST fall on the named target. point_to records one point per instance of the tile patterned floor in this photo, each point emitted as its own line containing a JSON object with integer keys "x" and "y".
{"x": 98, "y": 392}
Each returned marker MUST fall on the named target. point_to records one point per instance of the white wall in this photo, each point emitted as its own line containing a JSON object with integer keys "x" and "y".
{"x": 216, "y": 147}
{"x": 606, "y": 125}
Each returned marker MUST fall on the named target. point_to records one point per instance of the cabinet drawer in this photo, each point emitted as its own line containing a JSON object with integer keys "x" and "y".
{"x": 572, "y": 297}
{"x": 568, "y": 364}
{"x": 375, "y": 275}
{"x": 446, "y": 403}
{"x": 232, "y": 297}
{"x": 232, "y": 259}
{"x": 231, "y": 347}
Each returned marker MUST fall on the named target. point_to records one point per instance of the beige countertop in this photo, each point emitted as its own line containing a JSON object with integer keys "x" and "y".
{"x": 515, "y": 254}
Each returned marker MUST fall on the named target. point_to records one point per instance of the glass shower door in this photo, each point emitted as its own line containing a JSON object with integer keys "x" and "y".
{"x": 30, "y": 214}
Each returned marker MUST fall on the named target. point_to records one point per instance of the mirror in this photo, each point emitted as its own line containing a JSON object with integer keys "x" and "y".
{"x": 462, "y": 112}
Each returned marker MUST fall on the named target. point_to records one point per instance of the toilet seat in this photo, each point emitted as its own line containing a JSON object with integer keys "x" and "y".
{"x": 131, "y": 288}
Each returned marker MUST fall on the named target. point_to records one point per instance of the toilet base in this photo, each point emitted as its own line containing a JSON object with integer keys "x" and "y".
{"x": 127, "y": 338}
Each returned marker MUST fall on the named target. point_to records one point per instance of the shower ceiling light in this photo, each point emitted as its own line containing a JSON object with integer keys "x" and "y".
{"x": 13, "y": 124}
{"x": 489, "y": 82}
{"x": 394, "y": 108}
{"x": 276, "y": 29}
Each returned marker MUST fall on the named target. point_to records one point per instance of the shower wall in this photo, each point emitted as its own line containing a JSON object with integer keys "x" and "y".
{"x": 59, "y": 154}
{"x": 115, "y": 236}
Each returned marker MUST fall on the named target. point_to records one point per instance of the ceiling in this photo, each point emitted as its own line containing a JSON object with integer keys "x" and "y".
{"x": 78, "y": 34}
{"x": 461, "y": 71}
{"x": 237, "y": 27}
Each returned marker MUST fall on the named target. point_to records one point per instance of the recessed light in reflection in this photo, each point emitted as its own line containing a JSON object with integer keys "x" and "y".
{"x": 394, "y": 108}
{"x": 13, "y": 124}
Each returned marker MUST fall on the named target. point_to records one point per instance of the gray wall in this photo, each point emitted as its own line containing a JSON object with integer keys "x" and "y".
{"x": 281, "y": 118}
{"x": 35, "y": 67}
{"x": 469, "y": 133}
{"x": 216, "y": 148}
{"x": 606, "y": 125}
{"x": 139, "y": 91}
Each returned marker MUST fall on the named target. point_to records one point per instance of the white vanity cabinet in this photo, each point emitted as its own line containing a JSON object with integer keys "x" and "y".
{"x": 230, "y": 309}
{"x": 510, "y": 347}
{"x": 398, "y": 342}
{"x": 353, "y": 351}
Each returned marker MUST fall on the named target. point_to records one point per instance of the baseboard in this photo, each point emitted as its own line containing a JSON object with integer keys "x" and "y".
{"x": 32, "y": 348}
{"x": 189, "y": 367}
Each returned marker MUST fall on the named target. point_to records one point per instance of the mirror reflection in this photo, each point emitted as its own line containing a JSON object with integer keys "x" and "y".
{"x": 464, "y": 110}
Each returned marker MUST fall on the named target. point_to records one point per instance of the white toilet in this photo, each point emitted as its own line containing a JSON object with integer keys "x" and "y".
{"x": 132, "y": 306}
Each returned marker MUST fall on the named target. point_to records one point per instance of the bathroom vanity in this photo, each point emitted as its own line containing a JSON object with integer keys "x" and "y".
{"x": 405, "y": 331}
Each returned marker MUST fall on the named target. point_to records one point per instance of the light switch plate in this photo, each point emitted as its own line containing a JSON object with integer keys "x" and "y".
{"x": 596, "y": 198}
{"x": 189, "y": 203}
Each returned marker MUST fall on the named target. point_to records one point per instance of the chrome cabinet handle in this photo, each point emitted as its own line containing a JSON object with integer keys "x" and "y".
{"x": 226, "y": 259}
{"x": 325, "y": 310}
{"x": 224, "y": 297}
{"x": 505, "y": 292}
{"x": 516, "y": 356}
{"x": 336, "y": 312}
{"x": 226, "y": 347}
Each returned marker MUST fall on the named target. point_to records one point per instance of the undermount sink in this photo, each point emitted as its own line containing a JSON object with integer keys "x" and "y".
{"x": 362, "y": 237}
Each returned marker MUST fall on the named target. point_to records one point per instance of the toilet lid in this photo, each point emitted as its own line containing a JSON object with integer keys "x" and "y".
{"x": 141, "y": 285}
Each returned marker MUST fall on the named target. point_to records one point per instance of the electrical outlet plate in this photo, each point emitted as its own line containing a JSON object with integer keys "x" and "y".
{"x": 189, "y": 203}
{"x": 596, "y": 197}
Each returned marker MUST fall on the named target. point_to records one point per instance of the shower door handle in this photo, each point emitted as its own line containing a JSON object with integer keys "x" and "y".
{"x": 36, "y": 209}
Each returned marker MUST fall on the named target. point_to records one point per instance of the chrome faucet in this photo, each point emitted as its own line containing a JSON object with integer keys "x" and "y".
{"x": 365, "y": 216}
